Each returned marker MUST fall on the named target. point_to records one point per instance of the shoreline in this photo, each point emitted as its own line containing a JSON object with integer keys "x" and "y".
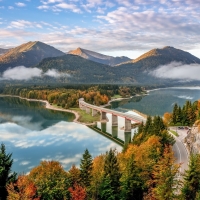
{"x": 50, "y": 107}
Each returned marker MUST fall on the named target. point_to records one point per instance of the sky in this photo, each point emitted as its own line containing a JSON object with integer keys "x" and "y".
{"x": 112, "y": 27}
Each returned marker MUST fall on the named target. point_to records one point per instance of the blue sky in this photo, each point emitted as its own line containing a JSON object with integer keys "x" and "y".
{"x": 113, "y": 27}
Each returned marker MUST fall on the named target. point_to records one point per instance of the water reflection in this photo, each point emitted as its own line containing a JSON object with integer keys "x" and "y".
{"x": 116, "y": 130}
{"x": 33, "y": 133}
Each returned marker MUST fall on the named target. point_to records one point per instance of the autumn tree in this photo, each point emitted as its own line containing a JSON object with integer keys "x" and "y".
{"x": 74, "y": 175}
{"x": 77, "y": 192}
{"x": 51, "y": 180}
{"x": 23, "y": 189}
{"x": 97, "y": 175}
{"x": 165, "y": 182}
{"x": 5, "y": 171}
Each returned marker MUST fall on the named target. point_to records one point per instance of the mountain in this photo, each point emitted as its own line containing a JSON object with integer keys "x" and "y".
{"x": 97, "y": 57}
{"x": 2, "y": 51}
{"x": 28, "y": 54}
{"x": 141, "y": 66}
{"x": 77, "y": 70}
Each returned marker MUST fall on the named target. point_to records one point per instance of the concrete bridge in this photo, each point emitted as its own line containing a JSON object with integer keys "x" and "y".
{"x": 115, "y": 114}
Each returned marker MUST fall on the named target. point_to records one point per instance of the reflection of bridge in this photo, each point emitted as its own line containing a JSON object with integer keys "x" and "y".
{"x": 115, "y": 114}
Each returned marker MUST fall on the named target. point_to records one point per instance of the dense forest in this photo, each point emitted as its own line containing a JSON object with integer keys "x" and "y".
{"x": 145, "y": 169}
{"x": 68, "y": 96}
{"x": 185, "y": 115}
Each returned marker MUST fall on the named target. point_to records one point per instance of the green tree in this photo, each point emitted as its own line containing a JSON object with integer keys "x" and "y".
{"x": 112, "y": 173}
{"x": 191, "y": 187}
{"x": 132, "y": 184}
{"x": 5, "y": 171}
{"x": 86, "y": 169}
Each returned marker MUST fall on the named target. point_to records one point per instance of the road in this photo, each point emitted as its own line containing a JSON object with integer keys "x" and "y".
{"x": 180, "y": 150}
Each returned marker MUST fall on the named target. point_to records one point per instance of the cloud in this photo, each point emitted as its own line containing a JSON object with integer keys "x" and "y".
{"x": 20, "y": 4}
{"x": 178, "y": 71}
{"x": 24, "y": 73}
{"x": 21, "y": 73}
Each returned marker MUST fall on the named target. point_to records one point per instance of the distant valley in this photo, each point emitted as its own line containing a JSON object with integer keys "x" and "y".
{"x": 85, "y": 66}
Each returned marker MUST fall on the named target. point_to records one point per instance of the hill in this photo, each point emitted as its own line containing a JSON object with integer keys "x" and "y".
{"x": 97, "y": 57}
{"x": 2, "y": 51}
{"x": 78, "y": 69}
{"x": 28, "y": 54}
{"x": 141, "y": 66}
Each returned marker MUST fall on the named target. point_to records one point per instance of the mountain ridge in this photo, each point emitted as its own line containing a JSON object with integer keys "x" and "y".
{"x": 98, "y": 57}
{"x": 27, "y": 54}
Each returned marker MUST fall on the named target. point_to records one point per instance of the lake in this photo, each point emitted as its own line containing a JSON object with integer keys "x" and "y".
{"x": 33, "y": 133}
{"x": 158, "y": 101}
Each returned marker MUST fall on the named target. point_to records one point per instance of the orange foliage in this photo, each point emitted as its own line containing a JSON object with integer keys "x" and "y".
{"x": 23, "y": 189}
{"x": 77, "y": 192}
{"x": 167, "y": 118}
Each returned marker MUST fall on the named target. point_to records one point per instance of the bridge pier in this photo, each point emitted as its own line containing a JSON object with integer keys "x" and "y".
{"x": 103, "y": 116}
{"x": 127, "y": 125}
{"x": 127, "y": 137}
{"x": 115, "y": 131}
{"x": 87, "y": 110}
{"x": 94, "y": 112}
{"x": 114, "y": 120}
{"x": 103, "y": 127}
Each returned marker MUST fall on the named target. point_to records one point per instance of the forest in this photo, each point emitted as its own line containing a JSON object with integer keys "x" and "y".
{"x": 183, "y": 116}
{"x": 68, "y": 96}
{"x": 145, "y": 169}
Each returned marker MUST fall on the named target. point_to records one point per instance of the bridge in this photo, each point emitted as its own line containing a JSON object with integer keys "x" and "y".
{"x": 129, "y": 118}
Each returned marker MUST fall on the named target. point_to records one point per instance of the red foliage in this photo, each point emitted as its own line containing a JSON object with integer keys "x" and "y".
{"x": 77, "y": 192}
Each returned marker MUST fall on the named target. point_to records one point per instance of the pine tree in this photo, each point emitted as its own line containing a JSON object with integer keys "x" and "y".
{"x": 5, "y": 171}
{"x": 86, "y": 169}
{"x": 132, "y": 185}
{"x": 174, "y": 113}
{"x": 191, "y": 185}
{"x": 111, "y": 171}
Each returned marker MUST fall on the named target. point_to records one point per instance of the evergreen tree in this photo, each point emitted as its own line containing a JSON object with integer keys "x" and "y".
{"x": 112, "y": 173}
{"x": 132, "y": 185}
{"x": 106, "y": 189}
{"x": 5, "y": 171}
{"x": 191, "y": 186}
{"x": 174, "y": 113}
{"x": 86, "y": 169}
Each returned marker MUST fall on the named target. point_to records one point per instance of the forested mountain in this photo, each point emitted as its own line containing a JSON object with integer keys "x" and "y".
{"x": 78, "y": 69}
{"x": 97, "y": 57}
{"x": 27, "y": 54}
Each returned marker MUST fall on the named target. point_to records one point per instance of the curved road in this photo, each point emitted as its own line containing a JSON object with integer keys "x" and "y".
{"x": 180, "y": 151}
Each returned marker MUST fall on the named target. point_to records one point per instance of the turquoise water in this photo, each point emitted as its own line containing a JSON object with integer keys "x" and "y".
{"x": 33, "y": 133}
{"x": 157, "y": 102}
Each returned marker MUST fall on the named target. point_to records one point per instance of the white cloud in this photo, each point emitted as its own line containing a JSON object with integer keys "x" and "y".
{"x": 178, "y": 71}
{"x": 21, "y": 73}
{"x": 52, "y": 73}
{"x": 10, "y": 7}
{"x": 20, "y": 4}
